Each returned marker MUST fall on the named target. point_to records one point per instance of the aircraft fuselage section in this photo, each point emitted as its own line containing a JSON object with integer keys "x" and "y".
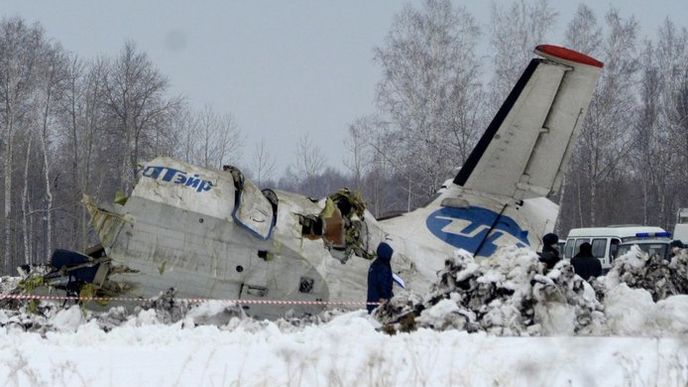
{"x": 186, "y": 237}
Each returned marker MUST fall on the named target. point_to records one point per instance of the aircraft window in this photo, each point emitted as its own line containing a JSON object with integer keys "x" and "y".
{"x": 568, "y": 249}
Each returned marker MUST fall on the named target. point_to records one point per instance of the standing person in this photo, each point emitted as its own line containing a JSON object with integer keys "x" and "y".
{"x": 585, "y": 264}
{"x": 380, "y": 276}
{"x": 550, "y": 253}
{"x": 676, "y": 246}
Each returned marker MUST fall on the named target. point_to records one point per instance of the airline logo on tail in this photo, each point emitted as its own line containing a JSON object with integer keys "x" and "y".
{"x": 468, "y": 228}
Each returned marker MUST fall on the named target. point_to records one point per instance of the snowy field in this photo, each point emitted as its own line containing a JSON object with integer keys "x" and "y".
{"x": 631, "y": 340}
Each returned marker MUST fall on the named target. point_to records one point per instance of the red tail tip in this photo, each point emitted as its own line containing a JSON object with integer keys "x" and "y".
{"x": 567, "y": 54}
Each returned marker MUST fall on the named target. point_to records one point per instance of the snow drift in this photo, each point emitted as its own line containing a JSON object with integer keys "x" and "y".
{"x": 463, "y": 332}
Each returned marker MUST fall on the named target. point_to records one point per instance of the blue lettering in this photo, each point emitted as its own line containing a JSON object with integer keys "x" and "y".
{"x": 181, "y": 178}
{"x": 178, "y": 177}
{"x": 204, "y": 186}
{"x": 152, "y": 172}
{"x": 193, "y": 181}
{"x": 170, "y": 174}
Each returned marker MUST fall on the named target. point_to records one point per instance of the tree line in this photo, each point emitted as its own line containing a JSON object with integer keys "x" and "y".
{"x": 71, "y": 126}
{"x": 630, "y": 163}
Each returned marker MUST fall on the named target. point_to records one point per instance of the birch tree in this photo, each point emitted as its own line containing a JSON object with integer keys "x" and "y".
{"x": 72, "y": 104}
{"x": 672, "y": 59}
{"x": 598, "y": 167}
{"x": 604, "y": 140}
{"x": 359, "y": 151}
{"x": 51, "y": 82}
{"x": 213, "y": 139}
{"x": 514, "y": 31}
{"x": 428, "y": 93}
{"x": 310, "y": 160}
{"x": 27, "y": 234}
{"x": 185, "y": 126}
{"x": 19, "y": 48}
{"x": 135, "y": 96}
{"x": 262, "y": 163}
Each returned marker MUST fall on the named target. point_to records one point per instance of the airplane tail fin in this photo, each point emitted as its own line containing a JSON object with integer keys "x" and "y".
{"x": 524, "y": 150}
{"x": 499, "y": 197}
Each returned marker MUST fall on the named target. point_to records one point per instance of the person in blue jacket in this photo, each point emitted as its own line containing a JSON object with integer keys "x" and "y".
{"x": 380, "y": 278}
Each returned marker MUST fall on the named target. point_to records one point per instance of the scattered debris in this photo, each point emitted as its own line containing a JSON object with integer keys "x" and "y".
{"x": 653, "y": 273}
{"x": 512, "y": 296}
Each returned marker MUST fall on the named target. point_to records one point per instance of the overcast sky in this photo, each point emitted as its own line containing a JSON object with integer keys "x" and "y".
{"x": 282, "y": 68}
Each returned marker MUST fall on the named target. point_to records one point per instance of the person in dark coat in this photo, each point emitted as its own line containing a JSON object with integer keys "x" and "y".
{"x": 380, "y": 276}
{"x": 585, "y": 264}
{"x": 550, "y": 253}
{"x": 676, "y": 246}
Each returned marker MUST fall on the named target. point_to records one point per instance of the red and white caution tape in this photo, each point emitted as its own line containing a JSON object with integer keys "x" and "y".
{"x": 233, "y": 301}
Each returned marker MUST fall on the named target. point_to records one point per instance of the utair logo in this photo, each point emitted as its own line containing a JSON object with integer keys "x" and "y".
{"x": 178, "y": 177}
{"x": 466, "y": 228}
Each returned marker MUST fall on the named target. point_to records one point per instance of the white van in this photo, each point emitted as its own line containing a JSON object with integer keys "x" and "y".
{"x": 605, "y": 240}
{"x": 681, "y": 228}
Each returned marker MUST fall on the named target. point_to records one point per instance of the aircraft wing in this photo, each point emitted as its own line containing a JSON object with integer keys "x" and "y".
{"x": 523, "y": 152}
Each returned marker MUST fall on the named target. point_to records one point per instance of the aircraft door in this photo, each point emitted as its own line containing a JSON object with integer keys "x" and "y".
{"x": 254, "y": 285}
{"x": 252, "y": 209}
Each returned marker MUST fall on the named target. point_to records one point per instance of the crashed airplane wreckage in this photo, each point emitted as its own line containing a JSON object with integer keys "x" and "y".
{"x": 214, "y": 234}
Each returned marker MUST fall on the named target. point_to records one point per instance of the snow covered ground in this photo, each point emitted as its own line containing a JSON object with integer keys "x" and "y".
{"x": 636, "y": 342}
{"x": 346, "y": 351}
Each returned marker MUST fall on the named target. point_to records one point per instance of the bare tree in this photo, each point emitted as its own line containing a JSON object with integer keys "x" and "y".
{"x": 19, "y": 48}
{"x": 214, "y": 138}
{"x": 309, "y": 163}
{"x": 605, "y": 141}
{"x": 672, "y": 59}
{"x": 52, "y": 81}
{"x": 310, "y": 159}
{"x": 583, "y": 32}
{"x": 515, "y": 30}
{"x": 208, "y": 127}
{"x": 135, "y": 95}
{"x": 26, "y": 230}
{"x": 428, "y": 93}
{"x": 360, "y": 153}
{"x": 72, "y": 103}
{"x": 263, "y": 164}
{"x": 92, "y": 113}
{"x": 653, "y": 155}
{"x": 229, "y": 140}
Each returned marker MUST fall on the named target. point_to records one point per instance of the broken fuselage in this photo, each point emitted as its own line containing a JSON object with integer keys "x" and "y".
{"x": 212, "y": 234}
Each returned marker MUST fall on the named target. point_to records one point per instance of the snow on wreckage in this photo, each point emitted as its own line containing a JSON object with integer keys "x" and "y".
{"x": 214, "y": 234}
{"x": 515, "y": 295}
